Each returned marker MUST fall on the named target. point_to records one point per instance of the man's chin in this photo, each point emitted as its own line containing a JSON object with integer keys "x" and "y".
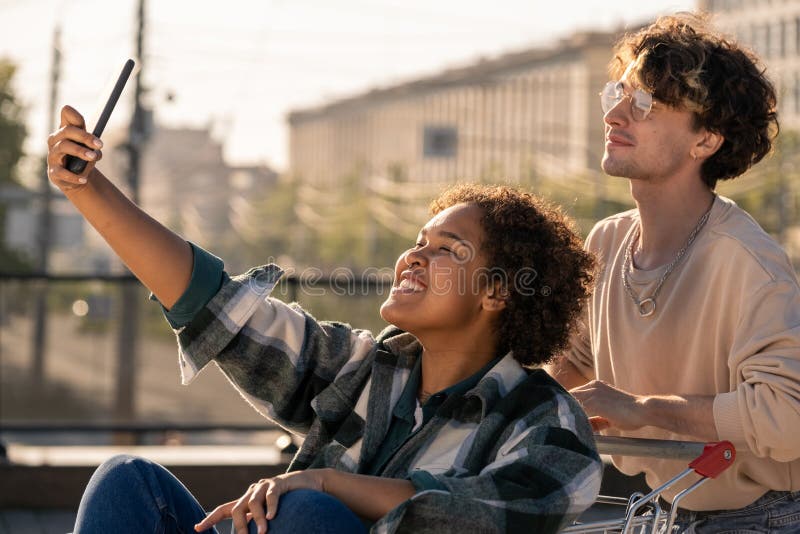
{"x": 613, "y": 170}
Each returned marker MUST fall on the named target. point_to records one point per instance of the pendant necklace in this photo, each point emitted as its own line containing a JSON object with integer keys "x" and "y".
{"x": 647, "y": 306}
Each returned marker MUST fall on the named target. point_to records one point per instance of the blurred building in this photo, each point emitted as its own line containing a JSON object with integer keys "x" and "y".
{"x": 19, "y": 218}
{"x": 20, "y": 207}
{"x": 184, "y": 183}
{"x": 528, "y": 113}
{"x": 772, "y": 29}
{"x": 187, "y": 185}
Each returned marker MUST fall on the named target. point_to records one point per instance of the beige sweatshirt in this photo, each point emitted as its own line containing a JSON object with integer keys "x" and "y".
{"x": 727, "y": 325}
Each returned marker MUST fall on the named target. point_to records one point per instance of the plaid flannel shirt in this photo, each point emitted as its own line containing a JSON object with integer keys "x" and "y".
{"x": 514, "y": 454}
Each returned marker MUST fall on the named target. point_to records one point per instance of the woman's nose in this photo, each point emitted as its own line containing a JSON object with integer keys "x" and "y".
{"x": 415, "y": 256}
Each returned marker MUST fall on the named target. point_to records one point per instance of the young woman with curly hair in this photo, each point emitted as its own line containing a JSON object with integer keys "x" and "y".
{"x": 693, "y": 331}
{"x": 436, "y": 425}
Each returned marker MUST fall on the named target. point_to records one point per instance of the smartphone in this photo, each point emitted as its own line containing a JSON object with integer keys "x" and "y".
{"x": 77, "y": 165}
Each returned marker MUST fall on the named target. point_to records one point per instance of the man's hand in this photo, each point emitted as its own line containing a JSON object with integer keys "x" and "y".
{"x": 608, "y": 406}
{"x": 260, "y": 501}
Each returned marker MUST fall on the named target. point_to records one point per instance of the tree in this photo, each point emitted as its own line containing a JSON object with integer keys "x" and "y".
{"x": 12, "y": 125}
{"x": 12, "y": 136}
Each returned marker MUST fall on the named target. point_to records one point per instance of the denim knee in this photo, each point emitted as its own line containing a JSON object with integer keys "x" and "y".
{"x": 133, "y": 495}
{"x": 123, "y": 460}
{"x": 119, "y": 466}
{"x": 305, "y": 510}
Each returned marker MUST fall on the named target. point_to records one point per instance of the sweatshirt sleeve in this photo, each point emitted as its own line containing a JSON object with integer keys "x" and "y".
{"x": 275, "y": 354}
{"x": 762, "y": 410}
{"x": 544, "y": 474}
{"x": 579, "y": 351}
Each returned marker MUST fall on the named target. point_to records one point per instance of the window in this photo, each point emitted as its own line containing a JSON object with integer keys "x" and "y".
{"x": 797, "y": 35}
{"x": 796, "y": 93}
{"x": 767, "y": 40}
{"x": 440, "y": 142}
{"x": 782, "y": 38}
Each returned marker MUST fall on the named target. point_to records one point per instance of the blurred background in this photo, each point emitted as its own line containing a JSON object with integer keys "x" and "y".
{"x": 309, "y": 133}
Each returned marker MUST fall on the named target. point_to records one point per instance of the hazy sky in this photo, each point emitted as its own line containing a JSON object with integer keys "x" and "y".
{"x": 241, "y": 65}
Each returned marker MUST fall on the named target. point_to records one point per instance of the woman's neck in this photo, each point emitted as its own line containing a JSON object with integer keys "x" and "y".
{"x": 448, "y": 363}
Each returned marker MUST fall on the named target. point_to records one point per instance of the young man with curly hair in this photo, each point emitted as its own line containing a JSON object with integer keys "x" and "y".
{"x": 693, "y": 331}
{"x": 437, "y": 425}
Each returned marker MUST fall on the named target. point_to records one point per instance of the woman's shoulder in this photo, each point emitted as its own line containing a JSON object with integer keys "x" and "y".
{"x": 542, "y": 398}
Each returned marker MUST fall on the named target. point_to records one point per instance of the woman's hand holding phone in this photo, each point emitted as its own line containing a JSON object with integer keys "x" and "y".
{"x": 71, "y": 139}
{"x": 72, "y": 148}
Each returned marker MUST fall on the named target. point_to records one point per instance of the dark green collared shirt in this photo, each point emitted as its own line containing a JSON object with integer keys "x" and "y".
{"x": 404, "y": 424}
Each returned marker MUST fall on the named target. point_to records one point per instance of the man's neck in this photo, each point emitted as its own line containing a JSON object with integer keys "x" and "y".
{"x": 669, "y": 212}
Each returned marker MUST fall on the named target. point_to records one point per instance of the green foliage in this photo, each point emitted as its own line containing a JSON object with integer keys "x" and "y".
{"x": 314, "y": 227}
{"x": 344, "y": 238}
{"x": 336, "y": 227}
{"x": 343, "y": 225}
{"x": 585, "y": 198}
{"x": 271, "y": 231}
{"x": 12, "y": 125}
{"x": 12, "y": 136}
{"x": 769, "y": 191}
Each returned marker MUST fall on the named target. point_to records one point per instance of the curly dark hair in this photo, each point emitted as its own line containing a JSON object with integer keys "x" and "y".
{"x": 686, "y": 64}
{"x": 549, "y": 275}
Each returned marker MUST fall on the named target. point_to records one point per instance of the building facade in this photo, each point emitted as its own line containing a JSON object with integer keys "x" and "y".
{"x": 520, "y": 115}
{"x": 524, "y": 117}
{"x": 772, "y": 29}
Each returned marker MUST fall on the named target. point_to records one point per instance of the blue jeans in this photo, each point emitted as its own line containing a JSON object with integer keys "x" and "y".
{"x": 134, "y": 495}
{"x": 777, "y": 512}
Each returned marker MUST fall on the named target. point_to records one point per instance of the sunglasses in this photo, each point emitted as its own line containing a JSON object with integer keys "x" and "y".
{"x": 641, "y": 101}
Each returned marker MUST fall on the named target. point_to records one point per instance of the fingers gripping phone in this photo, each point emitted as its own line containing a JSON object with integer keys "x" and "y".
{"x": 77, "y": 165}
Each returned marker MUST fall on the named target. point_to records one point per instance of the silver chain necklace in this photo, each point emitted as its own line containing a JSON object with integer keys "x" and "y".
{"x": 647, "y": 306}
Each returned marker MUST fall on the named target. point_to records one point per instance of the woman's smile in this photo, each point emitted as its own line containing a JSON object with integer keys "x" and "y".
{"x": 409, "y": 283}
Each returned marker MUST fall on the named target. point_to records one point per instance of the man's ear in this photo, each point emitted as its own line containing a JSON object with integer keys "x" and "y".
{"x": 495, "y": 298}
{"x": 708, "y": 144}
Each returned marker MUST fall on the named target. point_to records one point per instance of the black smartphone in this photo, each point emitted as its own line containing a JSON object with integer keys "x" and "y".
{"x": 77, "y": 165}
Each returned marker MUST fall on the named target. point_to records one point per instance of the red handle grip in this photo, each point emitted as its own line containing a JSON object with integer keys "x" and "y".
{"x": 716, "y": 458}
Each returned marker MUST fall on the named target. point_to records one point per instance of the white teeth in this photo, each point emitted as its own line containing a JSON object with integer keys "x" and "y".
{"x": 410, "y": 285}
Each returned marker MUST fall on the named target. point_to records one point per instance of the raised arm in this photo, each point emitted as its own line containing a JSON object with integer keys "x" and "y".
{"x": 161, "y": 259}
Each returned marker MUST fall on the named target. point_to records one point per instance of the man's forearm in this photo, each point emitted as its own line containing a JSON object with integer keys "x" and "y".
{"x": 370, "y": 497}
{"x": 692, "y": 415}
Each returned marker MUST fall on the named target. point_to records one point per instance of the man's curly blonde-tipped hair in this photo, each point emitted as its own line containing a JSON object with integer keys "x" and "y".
{"x": 688, "y": 65}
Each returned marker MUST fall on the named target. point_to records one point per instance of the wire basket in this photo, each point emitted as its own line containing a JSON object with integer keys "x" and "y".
{"x": 643, "y": 514}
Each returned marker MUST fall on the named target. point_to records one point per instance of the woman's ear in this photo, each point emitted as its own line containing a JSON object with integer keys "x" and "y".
{"x": 495, "y": 298}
